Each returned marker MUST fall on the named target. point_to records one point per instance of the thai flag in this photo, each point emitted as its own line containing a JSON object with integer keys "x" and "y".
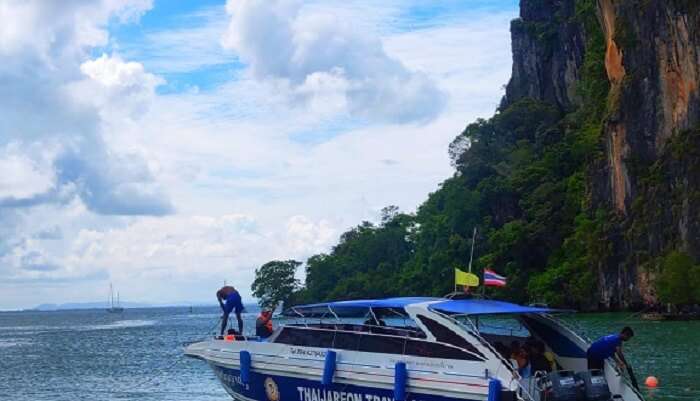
{"x": 493, "y": 279}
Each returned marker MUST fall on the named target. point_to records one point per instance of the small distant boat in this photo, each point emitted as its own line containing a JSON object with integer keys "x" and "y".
{"x": 114, "y": 307}
{"x": 655, "y": 316}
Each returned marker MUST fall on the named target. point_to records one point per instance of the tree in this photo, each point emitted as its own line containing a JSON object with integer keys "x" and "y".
{"x": 275, "y": 283}
{"x": 676, "y": 282}
{"x": 695, "y": 284}
{"x": 366, "y": 263}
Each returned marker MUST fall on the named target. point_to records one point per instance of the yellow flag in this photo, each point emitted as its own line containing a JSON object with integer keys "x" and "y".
{"x": 466, "y": 279}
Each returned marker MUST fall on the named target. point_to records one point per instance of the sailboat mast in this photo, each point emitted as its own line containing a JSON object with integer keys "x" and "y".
{"x": 111, "y": 296}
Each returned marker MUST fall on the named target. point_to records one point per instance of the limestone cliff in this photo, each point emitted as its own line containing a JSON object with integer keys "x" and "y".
{"x": 548, "y": 47}
{"x": 648, "y": 172}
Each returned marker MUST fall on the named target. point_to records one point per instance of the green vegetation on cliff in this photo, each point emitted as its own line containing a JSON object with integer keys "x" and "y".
{"x": 679, "y": 282}
{"x": 523, "y": 179}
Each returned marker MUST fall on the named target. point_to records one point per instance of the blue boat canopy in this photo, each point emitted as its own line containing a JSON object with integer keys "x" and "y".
{"x": 487, "y": 307}
{"x": 449, "y": 306}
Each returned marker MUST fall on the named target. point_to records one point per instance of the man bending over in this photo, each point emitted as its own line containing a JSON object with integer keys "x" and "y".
{"x": 608, "y": 347}
{"x": 232, "y": 300}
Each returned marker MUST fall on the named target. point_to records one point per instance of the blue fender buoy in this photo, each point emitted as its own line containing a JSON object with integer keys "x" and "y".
{"x": 245, "y": 366}
{"x": 400, "y": 378}
{"x": 494, "y": 390}
{"x": 328, "y": 368}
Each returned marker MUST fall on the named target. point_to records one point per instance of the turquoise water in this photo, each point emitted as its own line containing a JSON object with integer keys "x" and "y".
{"x": 668, "y": 350}
{"x": 137, "y": 355}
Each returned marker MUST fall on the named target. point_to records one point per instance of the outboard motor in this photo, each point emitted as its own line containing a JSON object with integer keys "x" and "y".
{"x": 594, "y": 387}
{"x": 560, "y": 386}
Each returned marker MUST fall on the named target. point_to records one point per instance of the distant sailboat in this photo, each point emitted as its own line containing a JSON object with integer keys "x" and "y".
{"x": 113, "y": 308}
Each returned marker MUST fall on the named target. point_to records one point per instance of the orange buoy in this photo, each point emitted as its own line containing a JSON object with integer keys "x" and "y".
{"x": 651, "y": 382}
{"x": 229, "y": 337}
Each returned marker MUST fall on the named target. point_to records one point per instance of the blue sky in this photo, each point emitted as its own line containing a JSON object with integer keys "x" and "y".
{"x": 182, "y": 144}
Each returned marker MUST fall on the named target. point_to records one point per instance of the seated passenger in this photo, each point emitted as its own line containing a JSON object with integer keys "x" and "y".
{"x": 520, "y": 356}
{"x": 524, "y": 366}
{"x": 537, "y": 359}
{"x": 514, "y": 349}
{"x": 263, "y": 325}
{"x": 554, "y": 365}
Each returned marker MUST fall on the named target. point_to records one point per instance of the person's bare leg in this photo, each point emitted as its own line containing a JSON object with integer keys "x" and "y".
{"x": 240, "y": 323}
{"x": 224, "y": 322}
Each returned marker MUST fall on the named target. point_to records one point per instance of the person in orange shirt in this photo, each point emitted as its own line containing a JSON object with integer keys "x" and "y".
{"x": 263, "y": 325}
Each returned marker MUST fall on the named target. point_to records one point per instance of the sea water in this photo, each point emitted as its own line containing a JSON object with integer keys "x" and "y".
{"x": 137, "y": 354}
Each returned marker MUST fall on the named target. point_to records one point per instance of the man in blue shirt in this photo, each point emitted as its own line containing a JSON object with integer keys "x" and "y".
{"x": 233, "y": 303}
{"x": 608, "y": 347}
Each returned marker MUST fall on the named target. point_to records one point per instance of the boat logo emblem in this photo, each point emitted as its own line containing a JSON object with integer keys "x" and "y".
{"x": 271, "y": 390}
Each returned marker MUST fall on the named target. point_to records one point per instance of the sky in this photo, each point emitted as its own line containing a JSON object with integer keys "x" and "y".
{"x": 169, "y": 146}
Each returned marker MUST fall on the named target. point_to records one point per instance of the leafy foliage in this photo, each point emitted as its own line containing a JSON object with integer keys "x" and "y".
{"x": 366, "y": 262}
{"x": 274, "y": 283}
{"x": 679, "y": 283}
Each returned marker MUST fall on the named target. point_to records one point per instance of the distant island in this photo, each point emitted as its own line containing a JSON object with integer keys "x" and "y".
{"x": 87, "y": 305}
{"x": 249, "y": 307}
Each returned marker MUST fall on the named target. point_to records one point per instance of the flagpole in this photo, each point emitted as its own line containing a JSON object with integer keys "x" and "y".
{"x": 471, "y": 255}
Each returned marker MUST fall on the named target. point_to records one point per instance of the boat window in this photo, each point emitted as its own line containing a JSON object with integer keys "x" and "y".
{"x": 355, "y": 341}
{"x": 345, "y": 340}
{"x": 382, "y": 344}
{"x": 320, "y": 338}
{"x": 445, "y": 335}
{"x": 427, "y": 349}
{"x": 288, "y": 336}
{"x": 308, "y": 338}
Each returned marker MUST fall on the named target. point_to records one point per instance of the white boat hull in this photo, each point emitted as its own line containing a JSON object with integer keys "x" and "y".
{"x": 278, "y": 374}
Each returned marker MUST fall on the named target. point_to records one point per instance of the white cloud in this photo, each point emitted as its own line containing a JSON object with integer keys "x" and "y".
{"x": 22, "y": 177}
{"x": 45, "y": 101}
{"x": 305, "y": 236}
{"x": 113, "y": 72}
{"x": 60, "y": 32}
{"x": 316, "y": 53}
{"x": 116, "y": 88}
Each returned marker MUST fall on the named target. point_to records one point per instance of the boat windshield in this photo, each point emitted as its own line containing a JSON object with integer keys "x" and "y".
{"x": 504, "y": 333}
{"x": 499, "y": 325}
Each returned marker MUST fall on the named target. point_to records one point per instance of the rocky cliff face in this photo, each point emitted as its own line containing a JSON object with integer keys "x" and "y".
{"x": 653, "y": 63}
{"x": 648, "y": 174}
{"x": 548, "y": 48}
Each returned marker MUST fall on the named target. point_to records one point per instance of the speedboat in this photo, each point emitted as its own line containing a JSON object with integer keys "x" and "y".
{"x": 409, "y": 349}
